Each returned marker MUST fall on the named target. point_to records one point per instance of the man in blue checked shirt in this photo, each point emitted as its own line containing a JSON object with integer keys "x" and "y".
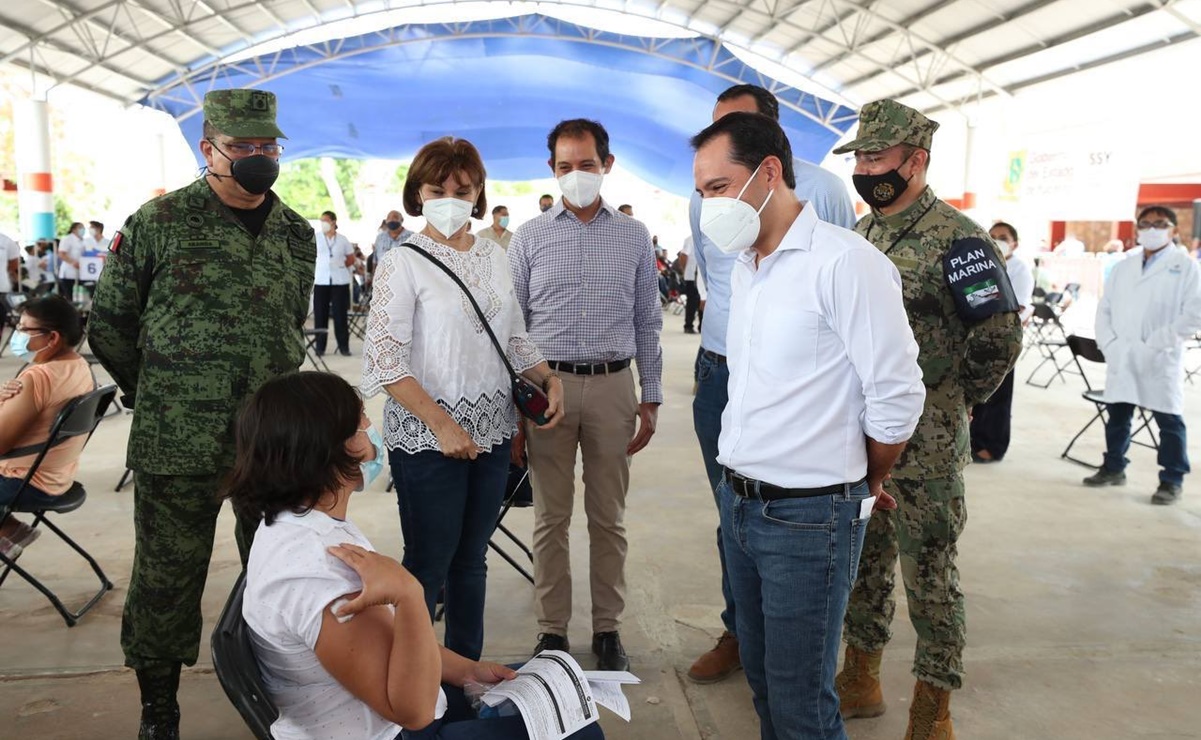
{"x": 827, "y": 195}
{"x": 585, "y": 277}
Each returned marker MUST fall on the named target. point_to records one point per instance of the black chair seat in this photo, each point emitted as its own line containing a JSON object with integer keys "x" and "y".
{"x": 1097, "y": 396}
{"x": 69, "y": 501}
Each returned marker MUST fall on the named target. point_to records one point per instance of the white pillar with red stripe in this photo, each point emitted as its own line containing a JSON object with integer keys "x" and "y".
{"x": 35, "y": 188}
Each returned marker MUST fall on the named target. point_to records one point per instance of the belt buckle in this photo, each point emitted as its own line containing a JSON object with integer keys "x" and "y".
{"x": 581, "y": 368}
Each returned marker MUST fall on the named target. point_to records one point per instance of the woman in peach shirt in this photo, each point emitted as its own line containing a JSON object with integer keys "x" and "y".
{"x": 46, "y": 336}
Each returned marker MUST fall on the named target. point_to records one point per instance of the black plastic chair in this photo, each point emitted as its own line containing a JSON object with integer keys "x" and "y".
{"x": 1084, "y": 348}
{"x": 14, "y": 301}
{"x": 236, "y": 667}
{"x": 519, "y": 494}
{"x": 310, "y": 348}
{"x": 1049, "y": 337}
{"x": 78, "y": 418}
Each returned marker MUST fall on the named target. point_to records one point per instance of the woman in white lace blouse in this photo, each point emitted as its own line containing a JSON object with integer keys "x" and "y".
{"x": 449, "y": 418}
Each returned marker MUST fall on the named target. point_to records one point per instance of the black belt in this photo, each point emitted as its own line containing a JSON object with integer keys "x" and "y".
{"x": 719, "y": 359}
{"x": 751, "y": 488}
{"x": 585, "y": 368}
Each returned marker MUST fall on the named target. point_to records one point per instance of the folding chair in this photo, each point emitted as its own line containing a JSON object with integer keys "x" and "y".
{"x": 1087, "y": 349}
{"x": 236, "y": 667}
{"x": 78, "y": 418}
{"x": 519, "y": 494}
{"x": 1050, "y": 339}
{"x": 14, "y": 301}
{"x": 1190, "y": 347}
{"x": 310, "y": 348}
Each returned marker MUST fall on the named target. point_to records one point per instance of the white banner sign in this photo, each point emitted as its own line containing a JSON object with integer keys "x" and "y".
{"x": 1062, "y": 178}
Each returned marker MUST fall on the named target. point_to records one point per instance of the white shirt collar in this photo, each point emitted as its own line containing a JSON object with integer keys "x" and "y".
{"x": 317, "y": 521}
{"x": 798, "y": 237}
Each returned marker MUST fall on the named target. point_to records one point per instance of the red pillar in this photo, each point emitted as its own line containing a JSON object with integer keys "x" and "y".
{"x": 1124, "y": 230}
{"x": 1059, "y": 232}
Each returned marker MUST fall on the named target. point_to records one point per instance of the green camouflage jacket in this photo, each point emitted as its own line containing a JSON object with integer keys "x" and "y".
{"x": 192, "y": 314}
{"x": 961, "y": 364}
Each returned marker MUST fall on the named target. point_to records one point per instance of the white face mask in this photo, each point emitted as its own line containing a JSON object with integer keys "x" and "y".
{"x": 581, "y": 189}
{"x": 732, "y": 224}
{"x": 447, "y": 215}
{"x": 1153, "y": 240}
{"x": 326, "y": 227}
{"x": 1005, "y": 247}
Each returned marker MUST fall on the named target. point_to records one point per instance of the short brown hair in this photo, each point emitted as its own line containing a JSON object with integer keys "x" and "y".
{"x": 437, "y": 161}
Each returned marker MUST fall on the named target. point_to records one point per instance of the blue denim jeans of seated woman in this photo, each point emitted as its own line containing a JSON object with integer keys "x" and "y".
{"x": 29, "y": 497}
{"x": 448, "y": 512}
{"x": 791, "y": 565}
{"x": 460, "y": 723}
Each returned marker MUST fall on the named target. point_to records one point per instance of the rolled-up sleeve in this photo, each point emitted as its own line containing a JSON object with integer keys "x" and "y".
{"x": 865, "y": 299}
{"x": 389, "y": 342}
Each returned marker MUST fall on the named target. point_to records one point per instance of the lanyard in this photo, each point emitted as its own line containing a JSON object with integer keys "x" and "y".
{"x": 908, "y": 228}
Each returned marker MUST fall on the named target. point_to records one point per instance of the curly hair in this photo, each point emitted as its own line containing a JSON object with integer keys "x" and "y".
{"x": 291, "y": 445}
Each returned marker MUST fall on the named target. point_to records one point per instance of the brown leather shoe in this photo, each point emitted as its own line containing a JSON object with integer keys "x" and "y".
{"x": 858, "y": 685}
{"x": 719, "y": 663}
{"x": 930, "y": 714}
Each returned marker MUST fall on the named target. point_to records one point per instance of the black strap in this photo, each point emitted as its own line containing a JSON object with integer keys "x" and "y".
{"x": 908, "y": 228}
{"x": 467, "y": 292}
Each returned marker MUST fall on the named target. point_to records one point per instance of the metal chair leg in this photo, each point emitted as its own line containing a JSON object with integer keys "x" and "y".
{"x": 125, "y": 478}
{"x": 70, "y": 617}
{"x": 1067, "y": 450}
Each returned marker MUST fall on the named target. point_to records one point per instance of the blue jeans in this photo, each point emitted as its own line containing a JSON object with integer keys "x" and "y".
{"x": 448, "y": 511}
{"x": 460, "y": 723}
{"x": 791, "y": 565}
{"x": 1173, "y": 444}
{"x": 31, "y": 496}
{"x": 712, "y": 394}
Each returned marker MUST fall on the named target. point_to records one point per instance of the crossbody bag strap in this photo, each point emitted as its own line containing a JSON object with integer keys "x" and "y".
{"x": 467, "y": 292}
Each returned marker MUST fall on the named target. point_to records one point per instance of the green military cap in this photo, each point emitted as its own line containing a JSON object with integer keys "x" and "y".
{"x": 242, "y": 114}
{"x": 886, "y": 123}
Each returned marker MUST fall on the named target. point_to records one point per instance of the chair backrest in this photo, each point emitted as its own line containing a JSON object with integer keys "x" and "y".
{"x": 1086, "y": 348}
{"x": 236, "y": 667}
{"x": 1045, "y": 313}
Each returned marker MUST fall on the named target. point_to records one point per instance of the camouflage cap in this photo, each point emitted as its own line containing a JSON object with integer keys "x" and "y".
{"x": 242, "y": 114}
{"x": 886, "y": 123}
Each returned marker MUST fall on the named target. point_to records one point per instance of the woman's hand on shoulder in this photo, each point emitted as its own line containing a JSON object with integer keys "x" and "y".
{"x": 10, "y": 388}
{"x": 385, "y": 581}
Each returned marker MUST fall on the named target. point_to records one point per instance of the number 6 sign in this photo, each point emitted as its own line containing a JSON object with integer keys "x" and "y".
{"x": 90, "y": 268}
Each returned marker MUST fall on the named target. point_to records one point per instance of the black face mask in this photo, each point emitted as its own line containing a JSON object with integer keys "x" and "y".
{"x": 393, "y": 225}
{"x": 544, "y": 208}
{"x": 256, "y": 174}
{"x": 880, "y": 191}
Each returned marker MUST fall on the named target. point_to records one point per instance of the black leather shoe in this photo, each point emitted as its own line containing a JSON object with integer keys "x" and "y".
{"x": 1105, "y": 477}
{"x": 344, "y": 352}
{"x": 548, "y": 641}
{"x": 610, "y": 655}
{"x": 1167, "y": 493}
{"x": 163, "y": 728}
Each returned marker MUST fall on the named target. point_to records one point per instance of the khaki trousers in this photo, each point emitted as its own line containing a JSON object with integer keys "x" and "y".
{"x": 600, "y": 416}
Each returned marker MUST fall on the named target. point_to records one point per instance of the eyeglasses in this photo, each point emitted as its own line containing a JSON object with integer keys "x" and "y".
{"x": 31, "y": 330}
{"x": 245, "y": 149}
{"x": 1163, "y": 223}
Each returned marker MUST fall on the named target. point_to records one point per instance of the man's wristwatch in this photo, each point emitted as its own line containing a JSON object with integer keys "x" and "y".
{"x": 546, "y": 381}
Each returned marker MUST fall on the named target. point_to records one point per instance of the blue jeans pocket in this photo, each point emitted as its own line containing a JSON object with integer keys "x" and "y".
{"x": 703, "y": 367}
{"x": 858, "y": 533}
{"x": 815, "y": 514}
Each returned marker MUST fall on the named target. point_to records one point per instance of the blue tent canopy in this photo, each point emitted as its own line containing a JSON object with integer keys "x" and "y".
{"x": 502, "y": 84}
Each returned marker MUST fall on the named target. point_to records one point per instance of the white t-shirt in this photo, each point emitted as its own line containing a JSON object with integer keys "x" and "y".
{"x": 1022, "y": 279}
{"x": 92, "y": 244}
{"x": 290, "y": 579}
{"x": 73, "y": 246}
{"x": 331, "y": 260}
{"x": 9, "y": 251}
{"x": 689, "y": 266}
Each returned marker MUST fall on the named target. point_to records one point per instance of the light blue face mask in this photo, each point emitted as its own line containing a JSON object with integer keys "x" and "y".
{"x": 504, "y": 222}
{"x": 372, "y": 468}
{"x": 18, "y": 344}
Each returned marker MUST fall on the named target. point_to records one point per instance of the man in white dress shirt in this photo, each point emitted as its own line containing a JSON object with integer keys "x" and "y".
{"x": 824, "y": 391}
{"x": 70, "y": 250}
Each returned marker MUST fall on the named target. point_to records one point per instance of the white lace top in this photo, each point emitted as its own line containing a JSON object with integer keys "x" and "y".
{"x": 422, "y": 326}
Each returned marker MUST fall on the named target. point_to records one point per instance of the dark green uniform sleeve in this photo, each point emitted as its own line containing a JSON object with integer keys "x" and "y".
{"x": 992, "y": 349}
{"x": 115, "y": 323}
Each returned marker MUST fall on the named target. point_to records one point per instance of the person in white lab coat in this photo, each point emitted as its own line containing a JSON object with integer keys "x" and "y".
{"x": 990, "y": 427}
{"x": 1151, "y": 305}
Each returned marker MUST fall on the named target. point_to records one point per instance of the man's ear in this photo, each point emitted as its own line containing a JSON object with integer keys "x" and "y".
{"x": 609, "y": 163}
{"x": 551, "y": 163}
{"x": 774, "y": 170}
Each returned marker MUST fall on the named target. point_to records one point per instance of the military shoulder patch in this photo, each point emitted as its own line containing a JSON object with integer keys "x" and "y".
{"x": 114, "y": 246}
{"x": 978, "y": 280}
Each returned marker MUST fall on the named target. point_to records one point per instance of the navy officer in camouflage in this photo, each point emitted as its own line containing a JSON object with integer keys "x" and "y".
{"x": 964, "y": 317}
{"x": 202, "y": 300}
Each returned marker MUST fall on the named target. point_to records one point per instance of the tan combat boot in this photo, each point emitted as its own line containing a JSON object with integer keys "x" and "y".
{"x": 930, "y": 714}
{"x": 858, "y": 685}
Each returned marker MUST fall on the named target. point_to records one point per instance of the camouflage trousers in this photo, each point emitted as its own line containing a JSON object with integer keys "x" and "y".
{"x": 923, "y": 532}
{"x": 175, "y": 520}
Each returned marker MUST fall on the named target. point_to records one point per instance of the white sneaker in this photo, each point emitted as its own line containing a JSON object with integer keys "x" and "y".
{"x": 10, "y": 549}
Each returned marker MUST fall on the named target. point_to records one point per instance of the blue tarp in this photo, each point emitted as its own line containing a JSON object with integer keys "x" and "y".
{"x": 503, "y": 84}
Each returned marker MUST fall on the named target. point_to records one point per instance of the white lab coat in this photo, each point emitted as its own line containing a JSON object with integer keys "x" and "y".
{"x": 1143, "y": 321}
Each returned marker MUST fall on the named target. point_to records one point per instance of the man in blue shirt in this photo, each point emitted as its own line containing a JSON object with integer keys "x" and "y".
{"x": 828, "y": 196}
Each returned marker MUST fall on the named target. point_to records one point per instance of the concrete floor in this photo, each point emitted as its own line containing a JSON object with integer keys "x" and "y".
{"x": 1084, "y": 606}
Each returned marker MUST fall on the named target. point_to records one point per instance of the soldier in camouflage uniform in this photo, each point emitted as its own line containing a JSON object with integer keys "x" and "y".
{"x": 203, "y": 298}
{"x": 964, "y": 355}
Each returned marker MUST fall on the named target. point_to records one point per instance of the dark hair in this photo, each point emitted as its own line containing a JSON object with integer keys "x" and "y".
{"x": 74, "y": 225}
{"x": 96, "y": 225}
{"x": 291, "y": 444}
{"x": 624, "y": 206}
{"x": 1008, "y": 227}
{"x": 753, "y": 138}
{"x": 332, "y": 216}
{"x": 545, "y": 196}
{"x": 764, "y": 100}
{"x": 55, "y": 313}
{"x": 437, "y": 161}
{"x": 1164, "y": 211}
{"x": 498, "y": 209}
{"x": 576, "y": 128}
{"x": 208, "y": 130}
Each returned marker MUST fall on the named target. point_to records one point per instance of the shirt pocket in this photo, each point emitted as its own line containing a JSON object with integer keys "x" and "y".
{"x": 787, "y": 341}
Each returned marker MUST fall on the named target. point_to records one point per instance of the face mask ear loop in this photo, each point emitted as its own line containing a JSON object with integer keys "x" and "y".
{"x": 750, "y": 179}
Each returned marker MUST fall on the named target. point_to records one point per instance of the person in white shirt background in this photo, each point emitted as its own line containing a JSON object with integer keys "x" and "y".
{"x": 10, "y": 261}
{"x": 693, "y": 307}
{"x": 95, "y": 242}
{"x": 824, "y": 392}
{"x": 990, "y": 421}
{"x": 70, "y": 251}
{"x": 331, "y": 284}
{"x": 1151, "y": 306}
{"x": 498, "y": 231}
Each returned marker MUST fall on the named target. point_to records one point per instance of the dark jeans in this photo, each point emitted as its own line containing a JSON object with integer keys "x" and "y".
{"x": 66, "y": 286}
{"x": 1173, "y": 444}
{"x": 29, "y": 497}
{"x": 460, "y": 723}
{"x": 792, "y": 564}
{"x": 710, "y": 400}
{"x": 692, "y": 305}
{"x": 991, "y": 421}
{"x": 448, "y": 511}
{"x": 331, "y": 300}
